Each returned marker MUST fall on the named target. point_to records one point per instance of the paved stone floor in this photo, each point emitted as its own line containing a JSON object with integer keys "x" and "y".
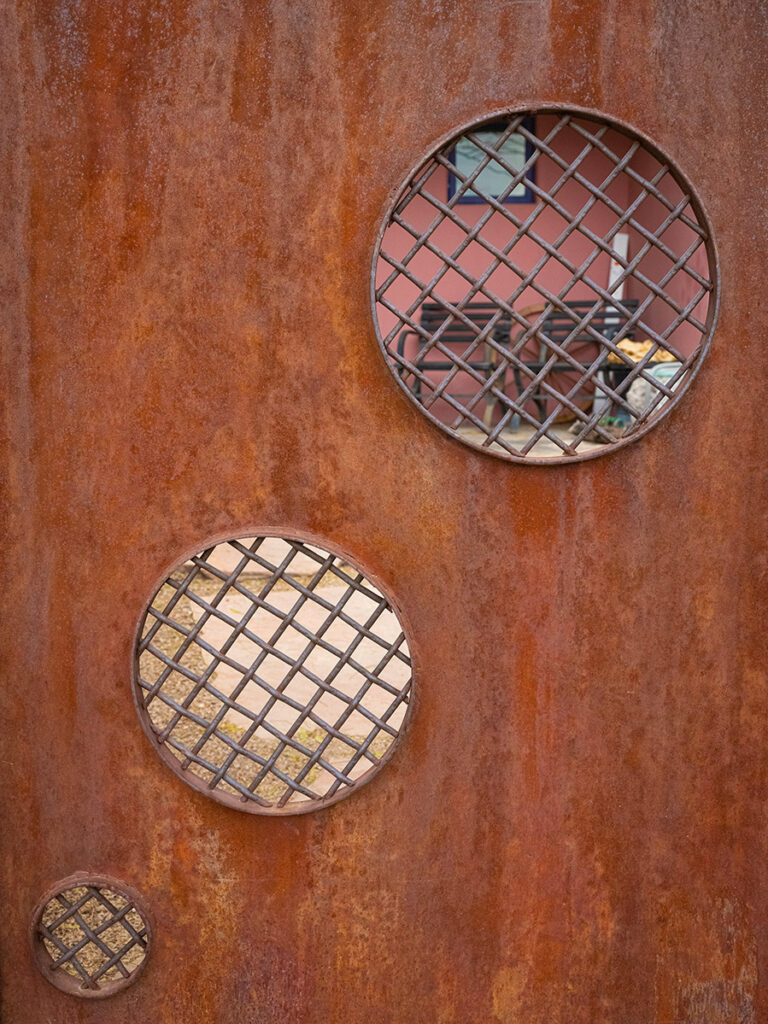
{"x": 315, "y": 660}
{"x": 544, "y": 447}
{"x": 315, "y": 651}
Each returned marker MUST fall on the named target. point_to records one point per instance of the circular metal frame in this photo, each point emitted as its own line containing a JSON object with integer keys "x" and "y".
{"x": 713, "y": 261}
{"x": 229, "y": 799}
{"x": 66, "y": 982}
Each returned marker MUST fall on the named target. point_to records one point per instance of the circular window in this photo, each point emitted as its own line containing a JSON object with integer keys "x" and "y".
{"x": 545, "y": 285}
{"x": 90, "y": 936}
{"x": 272, "y": 675}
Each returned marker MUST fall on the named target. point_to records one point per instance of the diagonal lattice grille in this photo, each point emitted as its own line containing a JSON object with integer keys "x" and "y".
{"x": 90, "y": 938}
{"x": 545, "y": 285}
{"x": 272, "y": 674}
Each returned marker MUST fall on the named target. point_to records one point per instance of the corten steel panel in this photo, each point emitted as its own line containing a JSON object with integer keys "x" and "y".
{"x": 574, "y": 829}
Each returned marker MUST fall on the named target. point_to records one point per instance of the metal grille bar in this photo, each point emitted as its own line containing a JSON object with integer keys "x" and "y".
{"x": 272, "y": 675}
{"x": 504, "y": 321}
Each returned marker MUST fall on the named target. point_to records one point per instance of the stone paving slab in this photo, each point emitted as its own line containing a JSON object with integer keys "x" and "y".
{"x": 544, "y": 447}
{"x": 273, "y": 549}
{"x": 320, "y": 662}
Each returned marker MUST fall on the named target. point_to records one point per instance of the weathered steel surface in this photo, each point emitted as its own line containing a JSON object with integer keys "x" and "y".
{"x": 574, "y": 828}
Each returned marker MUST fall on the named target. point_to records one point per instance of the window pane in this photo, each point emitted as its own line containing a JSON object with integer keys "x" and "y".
{"x": 493, "y": 179}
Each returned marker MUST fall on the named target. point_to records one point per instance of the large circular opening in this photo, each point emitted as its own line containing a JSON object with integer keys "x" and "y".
{"x": 545, "y": 285}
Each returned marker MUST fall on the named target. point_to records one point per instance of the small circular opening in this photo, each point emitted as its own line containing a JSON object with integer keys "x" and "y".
{"x": 90, "y": 936}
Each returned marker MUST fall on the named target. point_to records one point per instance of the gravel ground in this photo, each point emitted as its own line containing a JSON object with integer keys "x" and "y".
{"x": 94, "y": 914}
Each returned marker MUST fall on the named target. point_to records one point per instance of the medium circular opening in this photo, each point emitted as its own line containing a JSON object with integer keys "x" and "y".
{"x": 271, "y": 674}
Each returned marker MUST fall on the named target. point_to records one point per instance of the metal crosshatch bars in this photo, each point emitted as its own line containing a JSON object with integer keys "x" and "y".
{"x": 272, "y": 675}
{"x": 555, "y": 329}
{"x": 90, "y": 936}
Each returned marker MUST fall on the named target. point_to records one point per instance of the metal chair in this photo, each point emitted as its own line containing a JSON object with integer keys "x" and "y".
{"x": 459, "y": 333}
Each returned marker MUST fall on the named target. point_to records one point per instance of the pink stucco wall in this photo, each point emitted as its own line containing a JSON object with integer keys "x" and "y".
{"x": 655, "y": 265}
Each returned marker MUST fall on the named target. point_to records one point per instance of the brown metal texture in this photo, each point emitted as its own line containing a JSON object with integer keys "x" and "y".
{"x": 575, "y": 363}
{"x": 573, "y": 829}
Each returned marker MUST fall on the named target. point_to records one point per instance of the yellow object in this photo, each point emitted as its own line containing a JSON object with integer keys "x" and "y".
{"x": 637, "y": 349}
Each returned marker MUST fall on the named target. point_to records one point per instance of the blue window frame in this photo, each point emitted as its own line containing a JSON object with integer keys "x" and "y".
{"x": 493, "y": 179}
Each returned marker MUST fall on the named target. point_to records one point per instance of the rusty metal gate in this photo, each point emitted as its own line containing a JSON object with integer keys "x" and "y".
{"x": 514, "y": 766}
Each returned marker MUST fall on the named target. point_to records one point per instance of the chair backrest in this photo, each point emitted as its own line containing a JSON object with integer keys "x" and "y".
{"x": 433, "y": 315}
{"x": 608, "y": 321}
